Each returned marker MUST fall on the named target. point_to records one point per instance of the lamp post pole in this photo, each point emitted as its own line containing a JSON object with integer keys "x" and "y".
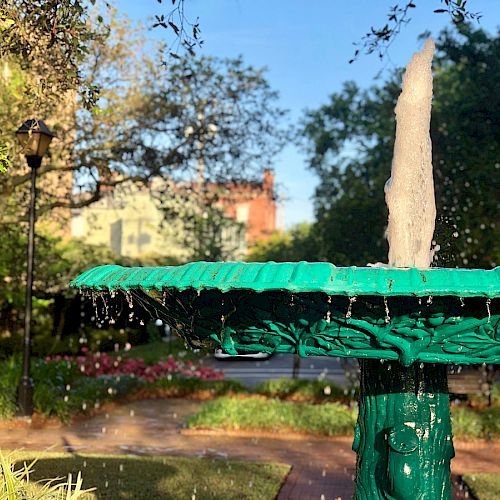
{"x": 25, "y": 391}
{"x": 35, "y": 138}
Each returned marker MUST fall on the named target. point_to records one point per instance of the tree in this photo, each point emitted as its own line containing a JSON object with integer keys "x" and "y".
{"x": 153, "y": 128}
{"x": 378, "y": 40}
{"x": 152, "y": 123}
{"x": 49, "y": 39}
{"x": 350, "y": 142}
{"x": 297, "y": 244}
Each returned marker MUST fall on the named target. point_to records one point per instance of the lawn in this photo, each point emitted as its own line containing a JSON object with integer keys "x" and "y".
{"x": 484, "y": 486}
{"x": 129, "y": 477}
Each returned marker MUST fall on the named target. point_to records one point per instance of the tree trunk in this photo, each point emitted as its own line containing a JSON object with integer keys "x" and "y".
{"x": 403, "y": 436}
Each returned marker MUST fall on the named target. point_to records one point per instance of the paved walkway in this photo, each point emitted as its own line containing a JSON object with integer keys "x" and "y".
{"x": 321, "y": 467}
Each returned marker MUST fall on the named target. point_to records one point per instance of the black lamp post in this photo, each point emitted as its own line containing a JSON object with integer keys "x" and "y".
{"x": 34, "y": 137}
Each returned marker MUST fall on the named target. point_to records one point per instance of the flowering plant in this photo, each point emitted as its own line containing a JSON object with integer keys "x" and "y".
{"x": 102, "y": 364}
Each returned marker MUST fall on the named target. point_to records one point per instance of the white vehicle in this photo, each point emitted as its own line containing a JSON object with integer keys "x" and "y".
{"x": 221, "y": 355}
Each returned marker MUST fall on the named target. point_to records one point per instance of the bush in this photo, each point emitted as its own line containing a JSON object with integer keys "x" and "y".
{"x": 300, "y": 390}
{"x": 465, "y": 423}
{"x": 328, "y": 419}
{"x": 10, "y": 372}
{"x": 101, "y": 363}
{"x": 183, "y": 387}
{"x": 65, "y": 385}
{"x": 468, "y": 423}
{"x": 490, "y": 419}
{"x": 495, "y": 395}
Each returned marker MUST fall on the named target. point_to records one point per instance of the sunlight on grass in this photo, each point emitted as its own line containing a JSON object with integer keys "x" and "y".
{"x": 484, "y": 486}
{"x": 328, "y": 419}
{"x": 131, "y": 477}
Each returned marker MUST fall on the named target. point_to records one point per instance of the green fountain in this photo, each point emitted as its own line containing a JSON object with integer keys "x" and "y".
{"x": 404, "y": 323}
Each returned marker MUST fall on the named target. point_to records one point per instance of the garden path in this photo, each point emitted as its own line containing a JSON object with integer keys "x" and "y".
{"x": 322, "y": 467}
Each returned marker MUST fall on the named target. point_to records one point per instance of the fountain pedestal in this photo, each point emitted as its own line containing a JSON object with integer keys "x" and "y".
{"x": 403, "y": 438}
{"x": 404, "y": 325}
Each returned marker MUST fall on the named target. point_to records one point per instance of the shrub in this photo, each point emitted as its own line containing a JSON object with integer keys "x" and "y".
{"x": 468, "y": 423}
{"x": 465, "y": 422}
{"x": 10, "y": 371}
{"x": 328, "y": 419}
{"x": 182, "y": 387}
{"x": 490, "y": 419}
{"x": 300, "y": 390}
{"x": 98, "y": 364}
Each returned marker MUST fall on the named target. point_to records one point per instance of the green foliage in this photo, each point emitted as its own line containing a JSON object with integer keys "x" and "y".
{"x": 4, "y": 159}
{"x": 298, "y": 243}
{"x": 298, "y": 389}
{"x": 350, "y": 145}
{"x": 185, "y": 387}
{"x": 483, "y": 486}
{"x": 163, "y": 477}
{"x": 465, "y": 423}
{"x": 378, "y": 40}
{"x": 468, "y": 423}
{"x": 328, "y": 419}
{"x": 60, "y": 390}
{"x": 152, "y": 352}
{"x": 9, "y": 379}
{"x": 16, "y": 483}
{"x": 51, "y": 42}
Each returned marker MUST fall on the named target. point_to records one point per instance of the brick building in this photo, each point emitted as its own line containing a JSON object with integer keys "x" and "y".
{"x": 254, "y": 204}
{"x": 129, "y": 221}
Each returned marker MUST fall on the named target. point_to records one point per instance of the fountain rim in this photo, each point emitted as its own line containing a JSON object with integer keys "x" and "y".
{"x": 295, "y": 277}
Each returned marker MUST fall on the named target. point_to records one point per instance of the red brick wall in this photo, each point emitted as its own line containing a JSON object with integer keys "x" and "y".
{"x": 260, "y": 199}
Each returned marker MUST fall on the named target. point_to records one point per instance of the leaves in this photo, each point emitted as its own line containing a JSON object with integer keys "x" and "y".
{"x": 187, "y": 33}
{"x": 378, "y": 40}
{"x": 350, "y": 144}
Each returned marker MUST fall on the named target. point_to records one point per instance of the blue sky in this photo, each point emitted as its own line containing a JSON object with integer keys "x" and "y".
{"x": 306, "y": 46}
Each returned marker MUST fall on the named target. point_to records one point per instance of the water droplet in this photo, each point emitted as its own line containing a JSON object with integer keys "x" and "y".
{"x": 348, "y": 314}
{"x": 387, "y": 315}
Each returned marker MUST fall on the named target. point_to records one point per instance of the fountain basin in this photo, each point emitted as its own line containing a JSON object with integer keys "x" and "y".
{"x": 432, "y": 316}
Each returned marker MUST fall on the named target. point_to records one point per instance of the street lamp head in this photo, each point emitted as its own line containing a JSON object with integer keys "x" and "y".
{"x": 34, "y": 137}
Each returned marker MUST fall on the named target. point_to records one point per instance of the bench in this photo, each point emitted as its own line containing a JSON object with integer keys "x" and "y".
{"x": 468, "y": 380}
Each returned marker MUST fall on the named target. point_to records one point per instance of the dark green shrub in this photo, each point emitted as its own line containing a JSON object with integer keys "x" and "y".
{"x": 272, "y": 415}
{"x": 298, "y": 389}
{"x": 185, "y": 386}
{"x": 490, "y": 419}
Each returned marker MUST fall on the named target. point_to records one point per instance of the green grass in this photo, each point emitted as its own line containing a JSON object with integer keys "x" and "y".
{"x": 127, "y": 477}
{"x": 484, "y": 486}
{"x": 328, "y": 419}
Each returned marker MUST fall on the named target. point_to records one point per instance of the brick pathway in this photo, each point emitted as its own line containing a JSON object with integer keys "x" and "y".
{"x": 321, "y": 467}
